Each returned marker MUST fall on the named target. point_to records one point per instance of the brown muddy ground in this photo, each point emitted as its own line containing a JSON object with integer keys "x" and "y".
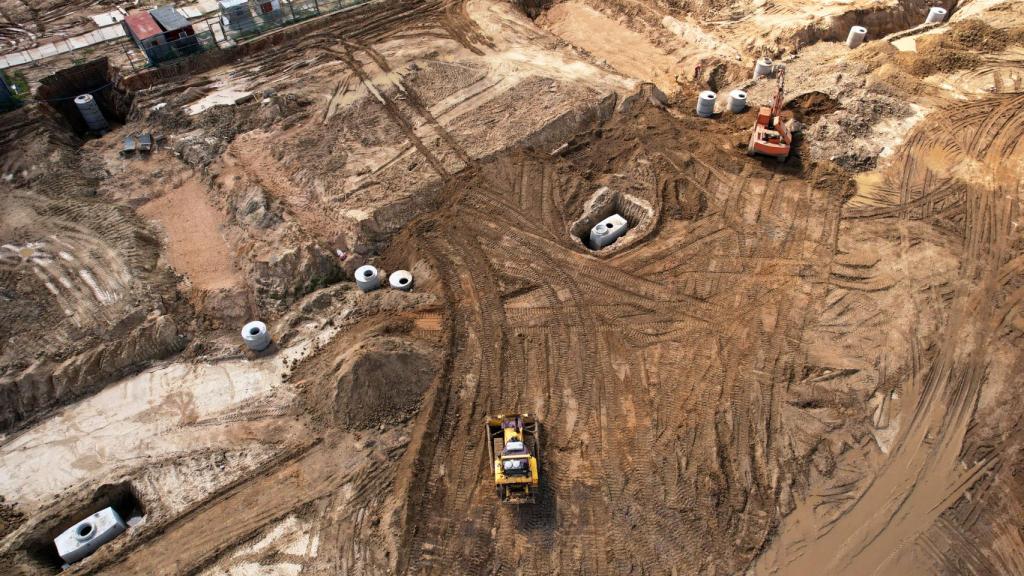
{"x": 28, "y": 23}
{"x": 795, "y": 368}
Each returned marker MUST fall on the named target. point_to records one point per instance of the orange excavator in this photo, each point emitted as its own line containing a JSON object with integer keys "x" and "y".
{"x": 771, "y": 136}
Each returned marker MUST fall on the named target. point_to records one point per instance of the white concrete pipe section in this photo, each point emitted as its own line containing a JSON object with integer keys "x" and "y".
{"x": 87, "y": 536}
{"x": 856, "y": 36}
{"x": 706, "y": 104}
{"x": 607, "y": 231}
{"x": 91, "y": 113}
{"x": 763, "y": 67}
{"x": 367, "y": 278}
{"x": 935, "y": 14}
{"x": 401, "y": 279}
{"x": 737, "y": 101}
{"x": 255, "y": 336}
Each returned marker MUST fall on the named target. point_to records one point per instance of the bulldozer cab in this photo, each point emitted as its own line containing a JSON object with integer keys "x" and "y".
{"x": 513, "y": 442}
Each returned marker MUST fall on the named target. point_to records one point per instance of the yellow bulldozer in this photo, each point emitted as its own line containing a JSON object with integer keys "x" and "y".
{"x": 513, "y": 441}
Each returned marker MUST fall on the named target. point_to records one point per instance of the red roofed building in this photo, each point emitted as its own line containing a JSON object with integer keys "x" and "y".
{"x": 143, "y": 29}
{"x": 162, "y": 33}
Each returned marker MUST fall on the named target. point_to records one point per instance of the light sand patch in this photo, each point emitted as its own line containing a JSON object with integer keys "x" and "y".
{"x": 628, "y": 52}
{"x": 224, "y": 96}
{"x": 158, "y": 413}
{"x": 195, "y": 246}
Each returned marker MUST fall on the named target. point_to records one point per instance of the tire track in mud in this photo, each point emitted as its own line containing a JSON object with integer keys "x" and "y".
{"x": 657, "y": 373}
{"x": 463, "y": 28}
{"x": 658, "y": 448}
{"x": 420, "y": 108}
{"x": 923, "y": 475}
{"x": 380, "y": 21}
{"x": 657, "y": 382}
{"x": 393, "y": 112}
{"x": 198, "y": 538}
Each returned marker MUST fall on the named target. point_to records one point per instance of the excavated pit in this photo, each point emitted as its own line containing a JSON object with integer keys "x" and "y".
{"x": 122, "y": 497}
{"x": 879, "y": 20}
{"x": 97, "y": 77}
{"x": 639, "y": 215}
{"x": 809, "y": 107}
{"x": 533, "y": 8}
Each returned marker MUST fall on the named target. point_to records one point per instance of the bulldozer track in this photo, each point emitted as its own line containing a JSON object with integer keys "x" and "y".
{"x": 584, "y": 342}
{"x": 760, "y": 342}
{"x": 392, "y": 109}
{"x": 924, "y": 468}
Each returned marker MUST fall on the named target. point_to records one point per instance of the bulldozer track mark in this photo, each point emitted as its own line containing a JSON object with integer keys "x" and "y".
{"x": 419, "y": 107}
{"x": 588, "y": 343}
{"x": 463, "y": 28}
{"x": 203, "y": 535}
{"x": 392, "y": 109}
{"x": 687, "y": 384}
{"x": 923, "y": 481}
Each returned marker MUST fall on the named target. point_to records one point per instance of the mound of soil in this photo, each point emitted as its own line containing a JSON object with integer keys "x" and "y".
{"x": 977, "y": 35}
{"x": 960, "y": 48}
{"x": 368, "y": 376}
{"x": 941, "y": 60}
{"x": 382, "y": 383}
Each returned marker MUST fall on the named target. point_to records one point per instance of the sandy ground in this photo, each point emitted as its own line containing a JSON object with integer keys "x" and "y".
{"x": 925, "y": 469}
{"x": 791, "y": 368}
{"x": 195, "y": 244}
{"x": 626, "y": 51}
{"x": 155, "y": 415}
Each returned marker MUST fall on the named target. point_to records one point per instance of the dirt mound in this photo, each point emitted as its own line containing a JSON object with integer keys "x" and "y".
{"x": 846, "y": 136}
{"x": 382, "y": 383}
{"x": 933, "y": 60}
{"x": 977, "y": 35}
{"x": 370, "y": 375}
{"x": 960, "y": 48}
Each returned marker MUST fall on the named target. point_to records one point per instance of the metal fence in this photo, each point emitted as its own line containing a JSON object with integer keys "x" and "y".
{"x": 168, "y": 51}
{"x": 240, "y": 25}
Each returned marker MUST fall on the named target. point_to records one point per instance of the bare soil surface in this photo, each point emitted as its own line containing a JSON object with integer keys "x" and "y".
{"x": 628, "y": 52}
{"x": 28, "y": 23}
{"x": 195, "y": 247}
{"x": 807, "y": 367}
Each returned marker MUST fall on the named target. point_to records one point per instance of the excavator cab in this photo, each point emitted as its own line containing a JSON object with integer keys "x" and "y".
{"x": 770, "y": 135}
{"x": 513, "y": 442}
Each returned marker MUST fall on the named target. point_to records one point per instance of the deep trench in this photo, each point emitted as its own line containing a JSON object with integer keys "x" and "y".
{"x": 58, "y": 92}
